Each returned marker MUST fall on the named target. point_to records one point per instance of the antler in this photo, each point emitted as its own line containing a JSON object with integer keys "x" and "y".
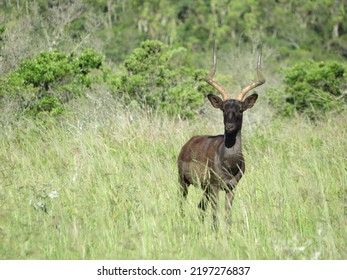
{"x": 253, "y": 85}
{"x": 209, "y": 80}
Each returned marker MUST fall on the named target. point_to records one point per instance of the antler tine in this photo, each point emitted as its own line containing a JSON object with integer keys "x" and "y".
{"x": 253, "y": 85}
{"x": 209, "y": 80}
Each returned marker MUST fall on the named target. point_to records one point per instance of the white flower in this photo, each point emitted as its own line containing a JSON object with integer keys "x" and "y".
{"x": 53, "y": 194}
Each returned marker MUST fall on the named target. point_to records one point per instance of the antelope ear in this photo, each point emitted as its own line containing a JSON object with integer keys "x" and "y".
{"x": 215, "y": 100}
{"x": 249, "y": 101}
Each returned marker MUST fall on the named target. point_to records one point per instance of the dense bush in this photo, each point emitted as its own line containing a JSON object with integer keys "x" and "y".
{"x": 154, "y": 76}
{"x": 311, "y": 88}
{"x": 44, "y": 83}
{"x": 160, "y": 77}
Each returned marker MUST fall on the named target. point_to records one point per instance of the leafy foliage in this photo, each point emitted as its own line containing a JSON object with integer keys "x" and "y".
{"x": 295, "y": 27}
{"x": 44, "y": 83}
{"x": 43, "y": 71}
{"x": 311, "y": 88}
{"x": 160, "y": 77}
{"x": 55, "y": 68}
{"x": 161, "y": 74}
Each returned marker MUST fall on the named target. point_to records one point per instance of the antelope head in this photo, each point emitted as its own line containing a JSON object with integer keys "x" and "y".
{"x": 233, "y": 108}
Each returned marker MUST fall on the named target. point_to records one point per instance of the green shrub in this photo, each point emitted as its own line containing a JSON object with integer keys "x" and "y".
{"x": 41, "y": 72}
{"x": 160, "y": 77}
{"x": 311, "y": 88}
{"x": 86, "y": 63}
{"x": 44, "y": 83}
{"x": 47, "y": 104}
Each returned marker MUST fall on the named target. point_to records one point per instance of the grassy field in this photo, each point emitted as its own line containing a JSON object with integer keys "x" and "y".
{"x": 102, "y": 184}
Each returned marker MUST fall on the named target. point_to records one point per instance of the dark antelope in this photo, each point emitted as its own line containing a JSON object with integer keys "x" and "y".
{"x": 217, "y": 162}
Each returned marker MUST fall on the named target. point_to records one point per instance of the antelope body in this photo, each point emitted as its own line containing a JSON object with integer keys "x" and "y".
{"x": 216, "y": 162}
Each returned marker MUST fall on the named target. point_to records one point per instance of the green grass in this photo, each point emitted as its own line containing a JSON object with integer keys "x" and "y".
{"x": 104, "y": 186}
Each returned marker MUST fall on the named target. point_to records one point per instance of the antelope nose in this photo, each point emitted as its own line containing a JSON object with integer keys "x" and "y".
{"x": 229, "y": 126}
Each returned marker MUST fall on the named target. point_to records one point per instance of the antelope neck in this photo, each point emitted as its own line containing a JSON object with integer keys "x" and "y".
{"x": 232, "y": 140}
{"x": 230, "y": 152}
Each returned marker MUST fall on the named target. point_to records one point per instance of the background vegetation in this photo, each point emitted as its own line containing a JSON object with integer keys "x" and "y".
{"x": 97, "y": 98}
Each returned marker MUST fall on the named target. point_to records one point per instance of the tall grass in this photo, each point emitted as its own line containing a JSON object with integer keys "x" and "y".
{"x": 102, "y": 184}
